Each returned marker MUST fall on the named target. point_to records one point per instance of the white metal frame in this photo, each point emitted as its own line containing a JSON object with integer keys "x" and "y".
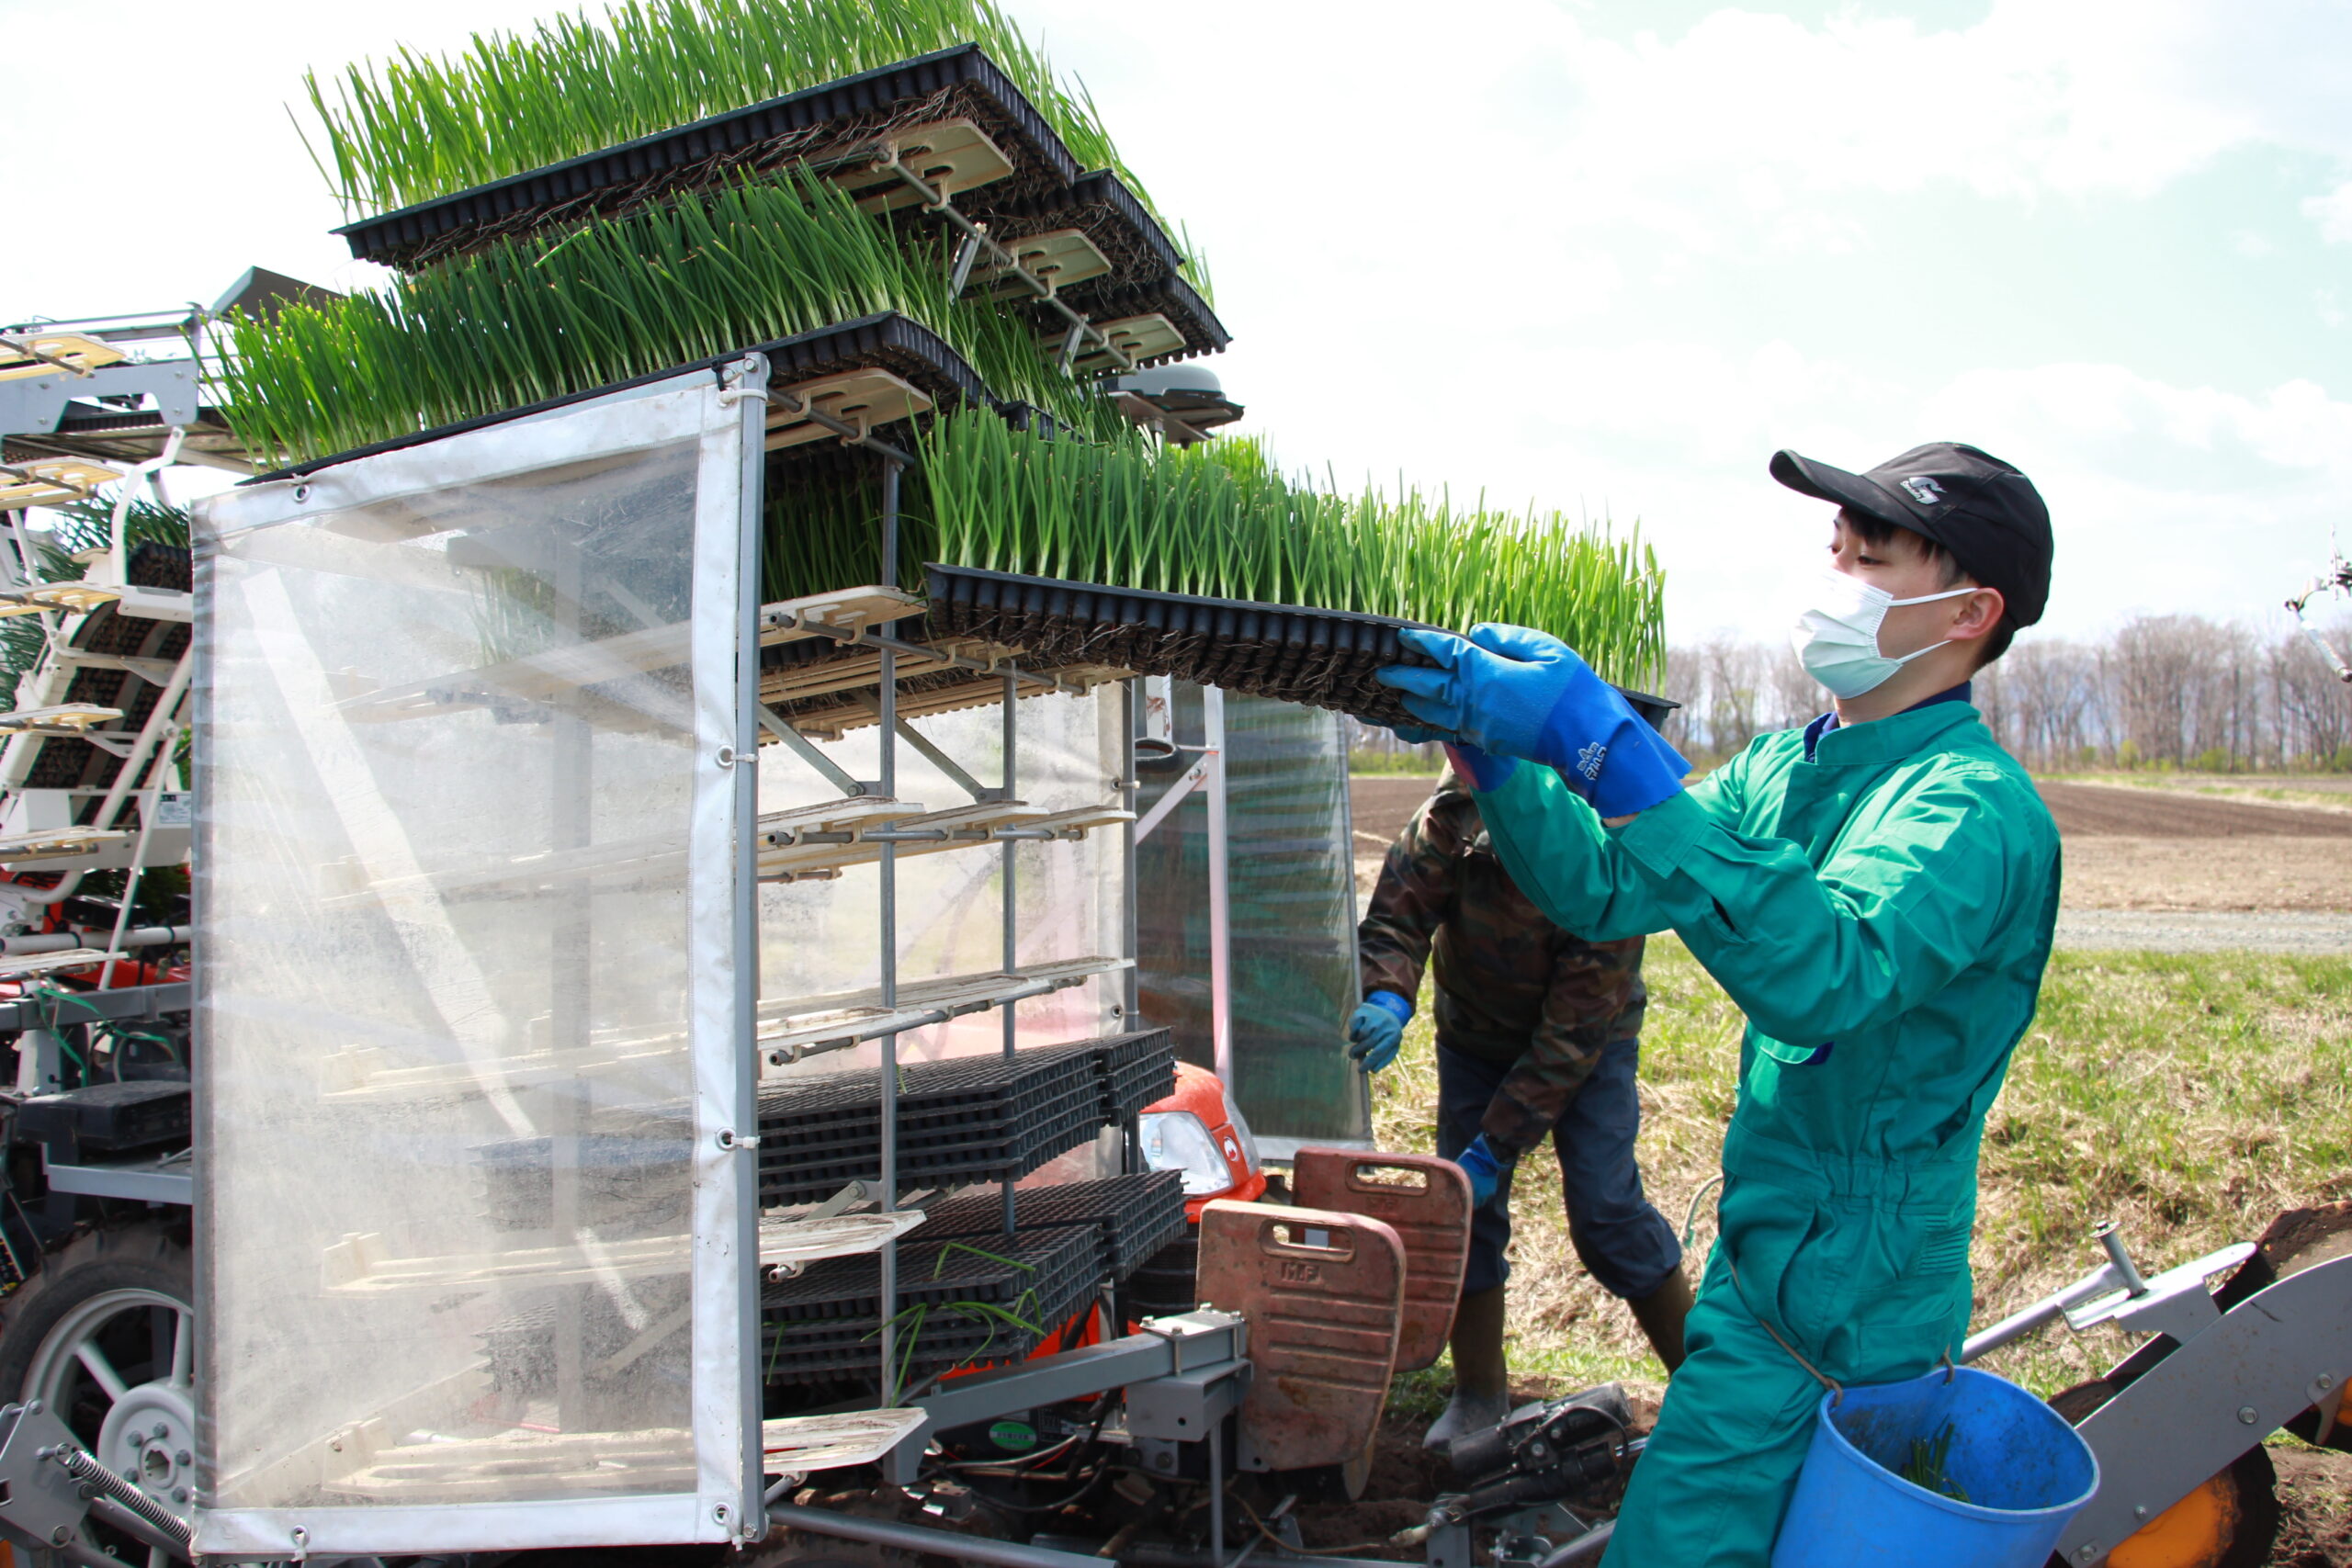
{"x": 725, "y": 1505}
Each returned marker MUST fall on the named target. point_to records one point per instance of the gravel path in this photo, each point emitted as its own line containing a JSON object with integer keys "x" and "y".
{"x": 2169, "y": 930}
{"x": 2145, "y": 869}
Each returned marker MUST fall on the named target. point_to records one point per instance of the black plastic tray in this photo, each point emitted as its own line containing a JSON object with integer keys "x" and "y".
{"x": 1294, "y": 653}
{"x": 886, "y": 340}
{"x": 1134, "y": 1215}
{"x": 1290, "y": 652}
{"x": 809, "y": 1181}
{"x": 834, "y": 115}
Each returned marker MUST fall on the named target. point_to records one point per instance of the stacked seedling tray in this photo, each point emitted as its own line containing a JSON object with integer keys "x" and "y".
{"x": 969, "y": 1118}
{"x": 622, "y": 1168}
{"x": 952, "y": 119}
{"x": 960, "y": 1303}
{"x": 1289, "y": 652}
{"x": 1137, "y": 1069}
{"x": 1132, "y": 1216}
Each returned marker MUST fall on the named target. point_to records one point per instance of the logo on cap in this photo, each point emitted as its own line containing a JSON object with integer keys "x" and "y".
{"x": 1924, "y": 490}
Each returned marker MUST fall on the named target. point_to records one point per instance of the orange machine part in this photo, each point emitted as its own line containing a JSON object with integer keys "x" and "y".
{"x": 1427, "y": 1201}
{"x": 1324, "y": 1294}
{"x": 1200, "y": 1091}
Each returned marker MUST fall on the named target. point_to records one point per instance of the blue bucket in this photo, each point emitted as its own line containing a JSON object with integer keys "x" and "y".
{"x": 2025, "y": 1470}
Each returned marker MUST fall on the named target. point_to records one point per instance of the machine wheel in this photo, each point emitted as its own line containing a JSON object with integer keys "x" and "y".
{"x": 104, "y": 1336}
{"x": 2231, "y": 1521}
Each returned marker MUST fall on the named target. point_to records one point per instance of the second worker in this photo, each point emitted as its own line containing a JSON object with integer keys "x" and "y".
{"x": 1538, "y": 1033}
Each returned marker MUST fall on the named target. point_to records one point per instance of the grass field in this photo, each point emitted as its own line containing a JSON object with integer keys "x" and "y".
{"x": 2189, "y": 1097}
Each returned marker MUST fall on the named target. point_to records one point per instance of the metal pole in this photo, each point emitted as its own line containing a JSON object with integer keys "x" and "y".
{"x": 1220, "y": 903}
{"x": 956, "y": 1546}
{"x": 887, "y": 1199}
{"x": 1011, "y": 904}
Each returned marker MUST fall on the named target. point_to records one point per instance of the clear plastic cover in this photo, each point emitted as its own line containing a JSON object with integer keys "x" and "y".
{"x": 1290, "y": 880}
{"x": 463, "y": 891}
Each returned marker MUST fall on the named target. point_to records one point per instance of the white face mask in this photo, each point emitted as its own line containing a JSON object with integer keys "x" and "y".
{"x": 1837, "y": 638}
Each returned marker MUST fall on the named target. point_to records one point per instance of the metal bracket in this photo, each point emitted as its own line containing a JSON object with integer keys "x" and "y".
{"x": 806, "y": 750}
{"x": 2255, "y": 1368}
{"x": 946, "y": 764}
{"x": 36, "y": 405}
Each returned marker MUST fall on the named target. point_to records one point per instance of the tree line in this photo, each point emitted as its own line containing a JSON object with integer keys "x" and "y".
{"x": 2175, "y": 691}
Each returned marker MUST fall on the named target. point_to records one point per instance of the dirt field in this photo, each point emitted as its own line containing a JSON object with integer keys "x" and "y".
{"x": 2128, "y": 849}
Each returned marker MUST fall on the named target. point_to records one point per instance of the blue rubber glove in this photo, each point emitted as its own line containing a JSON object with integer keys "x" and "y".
{"x": 1484, "y": 1167}
{"x": 1377, "y": 1029}
{"x": 1511, "y": 691}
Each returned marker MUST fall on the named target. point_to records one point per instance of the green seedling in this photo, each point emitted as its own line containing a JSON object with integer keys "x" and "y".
{"x": 419, "y": 126}
{"x": 1926, "y": 1467}
{"x": 1222, "y": 520}
{"x": 548, "y": 313}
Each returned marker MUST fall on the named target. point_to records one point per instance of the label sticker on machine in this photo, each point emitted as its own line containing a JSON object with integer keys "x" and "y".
{"x": 176, "y": 809}
{"x": 1015, "y": 1436}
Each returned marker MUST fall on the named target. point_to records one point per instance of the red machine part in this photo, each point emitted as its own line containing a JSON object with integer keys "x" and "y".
{"x": 1427, "y": 1201}
{"x": 1201, "y": 1096}
{"x": 1324, "y": 1294}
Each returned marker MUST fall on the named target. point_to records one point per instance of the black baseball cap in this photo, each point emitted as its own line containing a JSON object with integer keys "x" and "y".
{"x": 1985, "y": 511}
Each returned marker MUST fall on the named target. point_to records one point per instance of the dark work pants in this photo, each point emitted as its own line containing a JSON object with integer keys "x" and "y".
{"x": 1624, "y": 1241}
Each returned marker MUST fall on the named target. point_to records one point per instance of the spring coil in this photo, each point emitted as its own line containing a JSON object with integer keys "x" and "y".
{"x": 87, "y": 1469}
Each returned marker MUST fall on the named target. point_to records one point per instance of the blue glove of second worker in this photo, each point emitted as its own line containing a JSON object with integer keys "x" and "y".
{"x": 1377, "y": 1029}
{"x": 1509, "y": 692}
{"x": 1484, "y": 1167}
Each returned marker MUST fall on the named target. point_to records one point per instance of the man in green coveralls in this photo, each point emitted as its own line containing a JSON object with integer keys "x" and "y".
{"x": 1876, "y": 891}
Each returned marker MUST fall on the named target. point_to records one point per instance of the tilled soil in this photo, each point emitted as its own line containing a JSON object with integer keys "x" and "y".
{"x": 1382, "y": 806}
{"x": 2229, "y": 862}
{"x": 2090, "y": 810}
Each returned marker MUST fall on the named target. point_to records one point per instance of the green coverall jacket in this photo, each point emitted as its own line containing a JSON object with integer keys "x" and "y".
{"x": 1881, "y": 910}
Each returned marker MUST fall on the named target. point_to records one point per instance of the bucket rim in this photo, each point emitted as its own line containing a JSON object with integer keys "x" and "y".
{"x": 1976, "y": 1511}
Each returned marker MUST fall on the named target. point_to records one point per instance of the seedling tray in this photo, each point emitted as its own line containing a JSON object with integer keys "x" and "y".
{"x": 1016, "y": 1155}
{"x": 1134, "y": 1216}
{"x": 827, "y": 1322}
{"x": 961, "y": 1086}
{"x": 1289, "y": 652}
{"x": 1137, "y": 1069}
{"x": 808, "y": 125}
{"x": 886, "y": 340}
{"x": 1293, "y": 653}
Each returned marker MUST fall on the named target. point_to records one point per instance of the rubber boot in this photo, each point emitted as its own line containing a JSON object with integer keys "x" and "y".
{"x": 1481, "y": 1376}
{"x": 1660, "y": 1314}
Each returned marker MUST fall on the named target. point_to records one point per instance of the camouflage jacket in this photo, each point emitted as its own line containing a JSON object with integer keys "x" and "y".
{"x": 1511, "y": 987}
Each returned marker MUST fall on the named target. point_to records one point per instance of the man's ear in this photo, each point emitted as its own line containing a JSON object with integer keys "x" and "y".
{"x": 1978, "y": 613}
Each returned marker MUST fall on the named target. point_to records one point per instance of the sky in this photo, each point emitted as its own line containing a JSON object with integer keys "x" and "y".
{"x": 1599, "y": 255}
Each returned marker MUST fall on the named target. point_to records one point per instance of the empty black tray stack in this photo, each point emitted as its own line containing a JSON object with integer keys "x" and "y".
{"x": 1132, "y": 1216}
{"x": 969, "y": 1118}
{"x": 960, "y": 1303}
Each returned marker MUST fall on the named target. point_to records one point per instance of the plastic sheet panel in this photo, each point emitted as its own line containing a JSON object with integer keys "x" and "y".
{"x": 1292, "y": 915}
{"x": 469, "y": 991}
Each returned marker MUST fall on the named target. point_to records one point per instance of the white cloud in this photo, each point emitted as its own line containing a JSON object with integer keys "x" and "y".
{"x": 2332, "y": 213}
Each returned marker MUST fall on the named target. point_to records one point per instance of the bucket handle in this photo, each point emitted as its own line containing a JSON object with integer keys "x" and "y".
{"x": 1836, "y": 1391}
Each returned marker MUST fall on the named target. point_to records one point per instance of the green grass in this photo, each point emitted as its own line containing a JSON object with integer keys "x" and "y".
{"x": 1395, "y": 765}
{"x": 418, "y": 125}
{"x": 1220, "y": 519}
{"x": 2190, "y": 1097}
{"x": 545, "y": 314}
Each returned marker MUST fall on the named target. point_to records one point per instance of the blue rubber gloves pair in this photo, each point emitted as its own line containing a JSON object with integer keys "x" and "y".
{"x": 1377, "y": 1029}
{"x": 1484, "y": 1167}
{"x": 1507, "y": 692}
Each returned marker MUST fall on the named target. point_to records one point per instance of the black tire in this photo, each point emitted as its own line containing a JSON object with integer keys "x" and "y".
{"x": 2241, "y": 1500}
{"x": 127, "y": 1293}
